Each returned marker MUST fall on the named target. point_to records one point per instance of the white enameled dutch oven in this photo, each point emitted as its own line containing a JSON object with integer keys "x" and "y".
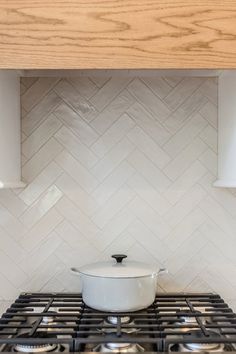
{"x": 118, "y": 286}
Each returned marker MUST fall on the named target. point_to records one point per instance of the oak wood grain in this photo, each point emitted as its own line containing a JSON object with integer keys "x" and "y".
{"x": 76, "y": 34}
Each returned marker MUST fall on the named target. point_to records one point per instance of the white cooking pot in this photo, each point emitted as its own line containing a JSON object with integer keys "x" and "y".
{"x": 118, "y": 286}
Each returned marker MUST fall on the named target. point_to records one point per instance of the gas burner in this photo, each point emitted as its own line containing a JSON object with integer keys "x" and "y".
{"x": 118, "y": 321}
{"x": 35, "y": 348}
{"x": 188, "y": 318}
{"x": 50, "y": 322}
{"x": 202, "y": 347}
{"x": 119, "y": 348}
{"x": 48, "y": 319}
{"x": 185, "y": 319}
{"x": 57, "y": 322}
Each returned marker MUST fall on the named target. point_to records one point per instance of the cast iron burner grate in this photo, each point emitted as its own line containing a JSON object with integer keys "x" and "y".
{"x": 62, "y": 322}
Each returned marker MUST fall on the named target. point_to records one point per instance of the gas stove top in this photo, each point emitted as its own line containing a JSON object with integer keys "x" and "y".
{"x": 54, "y": 322}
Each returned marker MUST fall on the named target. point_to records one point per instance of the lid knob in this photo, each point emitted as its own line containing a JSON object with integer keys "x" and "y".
{"x": 119, "y": 257}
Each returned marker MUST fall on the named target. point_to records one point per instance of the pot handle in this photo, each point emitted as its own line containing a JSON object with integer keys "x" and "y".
{"x": 162, "y": 271}
{"x": 119, "y": 257}
{"x": 74, "y": 271}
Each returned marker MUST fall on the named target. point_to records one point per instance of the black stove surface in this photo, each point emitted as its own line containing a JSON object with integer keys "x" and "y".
{"x": 56, "y": 322}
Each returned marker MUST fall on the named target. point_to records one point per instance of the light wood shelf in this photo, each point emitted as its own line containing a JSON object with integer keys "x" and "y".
{"x": 117, "y": 34}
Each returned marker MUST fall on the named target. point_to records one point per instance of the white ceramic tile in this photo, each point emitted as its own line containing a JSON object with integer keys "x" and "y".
{"x": 221, "y": 195}
{"x": 11, "y": 224}
{"x": 77, "y": 218}
{"x": 186, "y": 227}
{"x": 209, "y": 136}
{"x": 99, "y": 80}
{"x": 215, "y": 235}
{"x": 40, "y": 112}
{"x": 12, "y": 271}
{"x": 148, "y": 147}
{"x": 149, "y": 171}
{"x": 12, "y": 202}
{"x": 147, "y": 192}
{"x": 209, "y": 160}
{"x": 209, "y": 112}
{"x": 35, "y": 259}
{"x": 149, "y": 217}
{"x": 70, "y": 95}
{"x": 113, "y": 182}
{"x": 53, "y": 285}
{"x": 73, "y": 144}
{"x": 40, "y": 89}
{"x": 195, "y": 265}
{"x": 40, "y": 136}
{"x": 11, "y": 247}
{"x": 8, "y": 291}
{"x": 77, "y": 195}
{"x": 122, "y": 244}
{"x": 84, "y": 85}
{"x": 210, "y": 89}
{"x": 72, "y": 120}
{"x": 41, "y": 206}
{"x": 148, "y": 123}
{"x": 138, "y": 158}
{"x": 39, "y": 232}
{"x": 158, "y": 85}
{"x": 185, "y": 158}
{"x": 112, "y": 112}
{"x": 78, "y": 172}
{"x": 218, "y": 283}
{"x": 113, "y": 135}
{"x": 28, "y": 81}
{"x": 219, "y": 215}
{"x": 150, "y": 241}
{"x": 72, "y": 236}
{"x": 185, "y": 205}
{"x": 116, "y": 203}
{"x": 183, "y": 137}
{"x": 187, "y": 180}
{"x": 112, "y": 159}
{"x": 150, "y": 101}
{"x": 40, "y": 183}
{"x": 173, "y": 80}
{"x": 182, "y": 91}
{"x": 114, "y": 228}
{"x": 40, "y": 160}
{"x": 48, "y": 270}
{"x": 107, "y": 92}
{"x": 182, "y": 254}
{"x": 179, "y": 117}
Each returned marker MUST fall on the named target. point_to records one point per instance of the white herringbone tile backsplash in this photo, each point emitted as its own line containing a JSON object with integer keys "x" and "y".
{"x": 118, "y": 164}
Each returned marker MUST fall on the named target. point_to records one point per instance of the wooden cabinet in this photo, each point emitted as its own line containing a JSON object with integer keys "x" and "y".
{"x": 80, "y": 34}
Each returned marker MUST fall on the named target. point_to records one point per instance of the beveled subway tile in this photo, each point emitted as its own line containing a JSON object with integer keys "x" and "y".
{"x": 113, "y": 135}
{"x": 72, "y": 97}
{"x": 44, "y": 180}
{"x": 137, "y": 157}
{"x": 39, "y": 89}
{"x": 112, "y": 112}
{"x": 40, "y": 136}
{"x": 73, "y": 121}
{"x": 40, "y": 112}
{"x": 150, "y": 101}
{"x": 39, "y": 208}
{"x": 73, "y": 145}
{"x": 108, "y": 91}
{"x": 33, "y": 167}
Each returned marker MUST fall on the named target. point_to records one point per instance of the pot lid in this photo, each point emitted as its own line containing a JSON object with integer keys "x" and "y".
{"x": 118, "y": 268}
